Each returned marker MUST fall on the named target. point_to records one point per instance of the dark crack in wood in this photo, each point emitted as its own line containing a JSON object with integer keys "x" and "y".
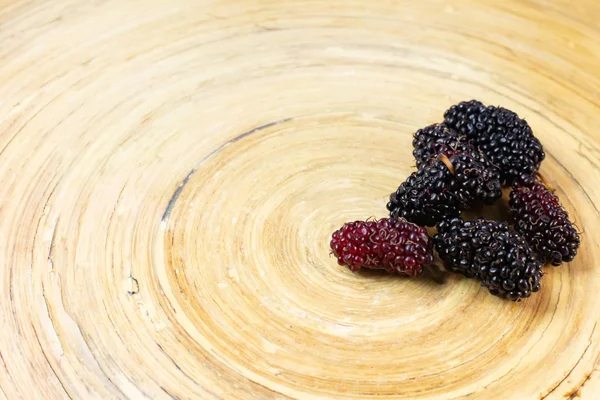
{"x": 179, "y": 189}
{"x": 572, "y": 369}
{"x": 135, "y": 286}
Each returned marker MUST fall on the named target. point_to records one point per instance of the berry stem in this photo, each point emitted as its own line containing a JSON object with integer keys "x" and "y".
{"x": 447, "y": 162}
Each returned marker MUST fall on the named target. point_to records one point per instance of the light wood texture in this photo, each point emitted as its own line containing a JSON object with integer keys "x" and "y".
{"x": 172, "y": 171}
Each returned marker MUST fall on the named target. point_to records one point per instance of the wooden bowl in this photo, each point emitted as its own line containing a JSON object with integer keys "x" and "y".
{"x": 172, "y": 172}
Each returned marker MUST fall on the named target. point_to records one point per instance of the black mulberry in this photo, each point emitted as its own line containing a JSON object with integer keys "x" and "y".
{"x": 491, "y": 253}
{"x": 504, "y": 138}
{"x": 445, "y": 187}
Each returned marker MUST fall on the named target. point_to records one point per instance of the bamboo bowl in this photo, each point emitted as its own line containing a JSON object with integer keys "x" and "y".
{"x": 172, "y": 172}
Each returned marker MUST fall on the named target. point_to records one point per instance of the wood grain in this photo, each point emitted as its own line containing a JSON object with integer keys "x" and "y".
{"x": 172, "y": 170}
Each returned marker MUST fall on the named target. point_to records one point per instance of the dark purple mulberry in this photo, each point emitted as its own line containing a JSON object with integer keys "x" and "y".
{"x": 541, "y": 219}
{"x": 504, "y": 138}
{"x": 444, "y": 187}
{"x": 489, "y": 252}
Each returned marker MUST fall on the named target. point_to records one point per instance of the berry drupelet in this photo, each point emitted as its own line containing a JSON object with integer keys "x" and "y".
{"x": 451, "y": 182}
{"x": 538, "y": 215}
{"x": 390, "y": 244}
{"x": 504, "y": 138}
{"x": 488, "y": 251}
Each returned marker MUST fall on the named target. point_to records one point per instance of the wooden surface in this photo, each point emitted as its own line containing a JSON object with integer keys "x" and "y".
{"x": 171, "y": 172}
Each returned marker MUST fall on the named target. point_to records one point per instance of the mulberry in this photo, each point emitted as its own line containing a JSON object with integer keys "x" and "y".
{"x": 504, "y": 138}
{"x": 489, "y": 252}
{"x": 389, "y": 244}
{"x": 444, "y": 188}
{"x": 541, "y": 219}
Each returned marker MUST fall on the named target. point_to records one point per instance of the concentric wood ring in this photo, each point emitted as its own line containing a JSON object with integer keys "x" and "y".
{"x": 172, "y": 172}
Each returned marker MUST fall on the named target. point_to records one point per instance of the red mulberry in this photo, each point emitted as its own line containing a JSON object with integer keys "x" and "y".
{"x": 389, "y": 244}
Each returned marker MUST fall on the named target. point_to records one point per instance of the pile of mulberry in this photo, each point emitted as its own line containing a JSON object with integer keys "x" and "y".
{"x": 491, "y": 253}
{"x": 504, "y": 138}
{"x": 462, "y": 163}
{"x": 390, "y": 244}
{"x": 538, "y": 215}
